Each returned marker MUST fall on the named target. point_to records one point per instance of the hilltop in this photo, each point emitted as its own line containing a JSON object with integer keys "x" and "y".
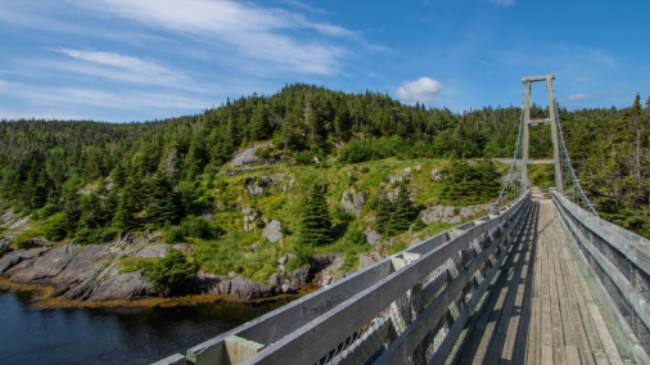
{"x": 219, "y": 201}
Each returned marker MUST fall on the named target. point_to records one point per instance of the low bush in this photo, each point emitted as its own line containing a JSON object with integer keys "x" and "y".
{"x": 56, "y": 229}
{"x": 172, "y": 274}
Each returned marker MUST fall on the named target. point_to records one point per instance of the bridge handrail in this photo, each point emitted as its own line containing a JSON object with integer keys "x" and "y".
{"x": 621, "y": 261}
{"x": 303, "y": 322}
{"x": 634, "y": 247}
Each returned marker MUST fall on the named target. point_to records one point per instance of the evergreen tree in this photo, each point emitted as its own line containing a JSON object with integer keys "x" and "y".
{"x": 123, "y": 218}
{"x": 316, "y": 224}
{"x": 259, "y": 124}
{"x": 403, "y": 212}
{"x": 384, "y": 209}
{"x": 164, "y": 206}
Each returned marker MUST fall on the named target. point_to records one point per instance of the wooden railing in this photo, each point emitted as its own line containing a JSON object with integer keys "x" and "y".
{"x": 408, "y": 307}
{"x": 620, "y": 260}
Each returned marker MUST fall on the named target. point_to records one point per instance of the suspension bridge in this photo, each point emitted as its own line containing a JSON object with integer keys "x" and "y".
{"x": 540, "y": 280}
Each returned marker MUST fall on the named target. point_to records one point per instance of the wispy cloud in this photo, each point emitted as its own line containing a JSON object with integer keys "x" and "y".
{"x": 122, "y": 99}
{"x": 422, "y": 90}
{"x": 118, "y": 67}
{"x": 247, "y": 30}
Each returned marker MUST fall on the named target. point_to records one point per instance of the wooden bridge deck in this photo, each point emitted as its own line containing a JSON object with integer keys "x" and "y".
{"x": 541, "y": 309}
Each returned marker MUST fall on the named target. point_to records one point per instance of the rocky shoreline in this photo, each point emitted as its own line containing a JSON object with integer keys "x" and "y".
{"x": 93, "y": 274}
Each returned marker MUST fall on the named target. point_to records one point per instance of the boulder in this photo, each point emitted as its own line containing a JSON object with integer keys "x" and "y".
{"x": 436, "y": 175}
{"x": 299, "y": 277}
{"x": 272, "y": 231}
{"x": 353, "y": 201}
{"x": 395, "y": 179}
{"x": 251, "y": 217}
{"x": 373, "y": 237}
{"x": 332, "y": 270}
{"x": 368, "y": 258}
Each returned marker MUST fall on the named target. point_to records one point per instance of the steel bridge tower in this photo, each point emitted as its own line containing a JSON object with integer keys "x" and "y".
{"x": 551, "y": 119}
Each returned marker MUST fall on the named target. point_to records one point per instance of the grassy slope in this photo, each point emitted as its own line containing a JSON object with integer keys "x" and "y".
{"x": 249, "y": 254}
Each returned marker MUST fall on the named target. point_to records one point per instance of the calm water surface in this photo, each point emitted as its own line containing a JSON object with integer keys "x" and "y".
{"x": 109, "y": 336}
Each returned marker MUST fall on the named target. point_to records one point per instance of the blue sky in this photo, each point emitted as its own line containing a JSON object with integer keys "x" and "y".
{"x": 125, "y": 60}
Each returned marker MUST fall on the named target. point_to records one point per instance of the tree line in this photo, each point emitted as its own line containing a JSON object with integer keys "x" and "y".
{"x": 147, "y": 173}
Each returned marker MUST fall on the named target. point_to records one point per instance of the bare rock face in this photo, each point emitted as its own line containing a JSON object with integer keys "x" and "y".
{"x": 14, "y": 257}
{"x": 43, "y": 267}
{"x": 236, "y": 286}
{"x": 353, "y": 201}
{"x": 332, "y": 272}
{"x": 247, "y": 156}
{"x": 272, "y": 231}
{"x": 154, "y": 251}
{"x": 115, "y": 285}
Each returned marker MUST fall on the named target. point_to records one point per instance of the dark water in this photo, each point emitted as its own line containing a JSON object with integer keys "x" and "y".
{"x": 109, "y": 336}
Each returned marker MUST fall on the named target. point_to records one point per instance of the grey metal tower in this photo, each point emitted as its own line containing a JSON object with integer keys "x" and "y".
{"x": 552, "y": 115}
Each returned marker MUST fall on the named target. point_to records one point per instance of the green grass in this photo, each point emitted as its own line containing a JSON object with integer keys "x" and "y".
{"x": 541, "y": 175}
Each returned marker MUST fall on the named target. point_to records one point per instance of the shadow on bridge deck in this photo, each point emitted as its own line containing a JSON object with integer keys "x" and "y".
{"x": 540, "y": 309}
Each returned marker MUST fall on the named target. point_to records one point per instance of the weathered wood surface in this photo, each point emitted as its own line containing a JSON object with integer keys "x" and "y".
{"x": 541, "y": 310}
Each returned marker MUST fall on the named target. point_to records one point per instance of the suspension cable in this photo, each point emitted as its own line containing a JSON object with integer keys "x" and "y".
{"x": 508, "y": 181}
{"x": 569, "y": 166}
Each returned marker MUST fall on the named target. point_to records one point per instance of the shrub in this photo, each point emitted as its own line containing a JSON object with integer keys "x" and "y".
{"x": 91, "y": 236}
{"x": 173, "y": 234}
{"x": 172, "y": 274}
{"x": 198, "y": 227}
{"x": 57, "y": 229}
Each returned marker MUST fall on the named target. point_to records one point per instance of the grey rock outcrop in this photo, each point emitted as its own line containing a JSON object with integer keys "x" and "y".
{"x": 368, "y": 258}
{"x": 255, "y": 185}
{"x": 448, "y": 214}
{"x": 248, "y": 156}
{"x": 272, "y": 231}
{"x": 236, "y": 286}
{"x": 353, "y": 201}
{"x": 373, "y": 237}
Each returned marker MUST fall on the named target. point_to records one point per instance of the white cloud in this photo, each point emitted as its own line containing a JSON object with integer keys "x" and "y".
{"x": 501, "y": 2}
{"x": 421, "y": 90}
{"x": 248, "y": 30}
{"x": 579, "y": 97}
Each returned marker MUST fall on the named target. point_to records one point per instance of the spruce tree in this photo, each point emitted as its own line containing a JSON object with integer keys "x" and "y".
{"x": 123, "y": 217}
{"x": 316, "y": 224}
{"x": 403, "y": 212}
{"x": 164, "y": 207}
{"x": 384, "y": 209}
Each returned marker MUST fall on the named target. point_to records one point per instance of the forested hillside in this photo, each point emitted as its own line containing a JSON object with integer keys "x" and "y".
{"x": 91, "y": 182}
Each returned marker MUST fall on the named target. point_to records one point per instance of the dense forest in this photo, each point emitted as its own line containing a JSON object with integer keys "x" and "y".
{"x": 149, "y": 174}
